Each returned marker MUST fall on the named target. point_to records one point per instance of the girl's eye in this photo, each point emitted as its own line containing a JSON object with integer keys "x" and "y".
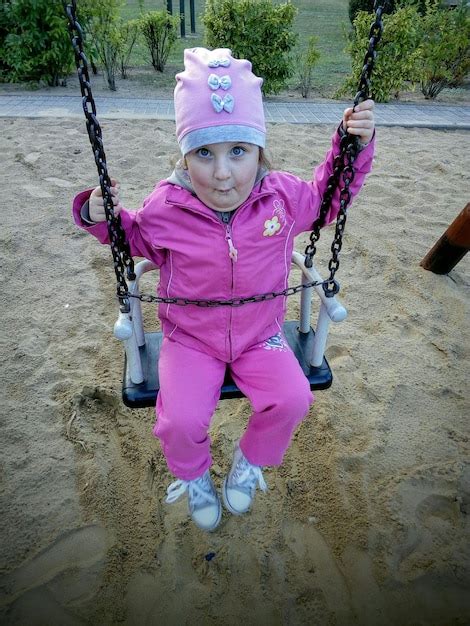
{"x": 238, "y": 151}
{"x": 204, "y": 152}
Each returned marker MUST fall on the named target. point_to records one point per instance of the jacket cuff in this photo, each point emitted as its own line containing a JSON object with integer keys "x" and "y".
{"x": 85, "y": 214}
{"x": 98, "y": 229}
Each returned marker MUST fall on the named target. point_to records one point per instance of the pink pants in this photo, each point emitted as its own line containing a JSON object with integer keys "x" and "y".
{"x": 268, "y": 374}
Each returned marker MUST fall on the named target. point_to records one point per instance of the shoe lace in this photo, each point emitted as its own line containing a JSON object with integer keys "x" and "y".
{"x": 249, "y": 476}
{"x": 200, "y": 491}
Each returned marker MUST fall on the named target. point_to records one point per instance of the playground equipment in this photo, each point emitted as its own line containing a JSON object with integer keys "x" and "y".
{"x": 192, "y": 14}
{"x": 451, "y": 247}
{"x": 140, "y": 385}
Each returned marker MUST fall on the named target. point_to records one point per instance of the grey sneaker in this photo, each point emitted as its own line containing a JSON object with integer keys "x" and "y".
{"x": 203, "y": 500}
{"x": 240, "y": 485}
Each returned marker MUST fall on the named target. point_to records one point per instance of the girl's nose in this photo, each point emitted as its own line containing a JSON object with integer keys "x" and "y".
{"x": 221, "y": 169}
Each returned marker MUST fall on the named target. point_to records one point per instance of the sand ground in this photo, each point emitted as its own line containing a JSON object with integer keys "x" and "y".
{"x": 367, "y": 520}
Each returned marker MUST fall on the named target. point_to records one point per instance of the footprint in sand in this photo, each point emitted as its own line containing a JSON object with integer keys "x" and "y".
{"x": 314, "y": 555}
{"x": 436, "y": 542}
{"x": 68, "y": 571}
{"x": 59, "y": 182}
{"x": 37, "y": 192}
{"x": 347, "y": 587}
{"x": 32, "y": 157}
{"x": 340, "y": 357}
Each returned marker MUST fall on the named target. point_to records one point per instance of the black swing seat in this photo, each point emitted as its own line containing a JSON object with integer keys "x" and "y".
{"x": 138, "y": 395}
{"x": 140, "y": 379}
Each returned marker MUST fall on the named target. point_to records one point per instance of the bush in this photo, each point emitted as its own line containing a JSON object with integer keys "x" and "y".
{"x": 129, "y": 32}
{"x": 366, "y": 5}
{"x": 397, "y": 61}
{"x": 255, "y": 30}
{"x": 419, "y": 5}
{"x": 5, "y": 28}
{"x": 305, "y": 63}
{"x": 160, "y": 30}
{"x": 35, "y": 44}
{"x": 102, "y": 23}
{"x": 444, "y": 48}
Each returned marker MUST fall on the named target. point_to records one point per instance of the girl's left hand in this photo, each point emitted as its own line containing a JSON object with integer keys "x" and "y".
{"x": 360, "y": 121}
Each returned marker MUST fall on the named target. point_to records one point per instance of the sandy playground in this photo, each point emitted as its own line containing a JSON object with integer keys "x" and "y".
{"x": 367, "y": 520}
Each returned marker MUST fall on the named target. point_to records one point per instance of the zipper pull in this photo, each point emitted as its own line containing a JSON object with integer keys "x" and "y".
{"x": 232, "y": 251}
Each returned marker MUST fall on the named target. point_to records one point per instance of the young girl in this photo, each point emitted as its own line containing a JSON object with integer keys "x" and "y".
{"x": 222, "y": 226}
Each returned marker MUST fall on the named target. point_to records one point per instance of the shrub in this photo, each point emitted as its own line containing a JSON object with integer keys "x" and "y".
{"x": 305, "y": 63}
{"x": 5, "y": 28}
{"x": 366, "y": 5}
{"x": 398, "y": 53}
{"x": 256, "y": 30}
{"x": 419, "y": 5}
{"x": 445, "y": 48}
{"x": 102, "y": 23}
{"x": 129, "y": 32}
{"x": 160, "y": 30}
{"x": 35, "y": 43}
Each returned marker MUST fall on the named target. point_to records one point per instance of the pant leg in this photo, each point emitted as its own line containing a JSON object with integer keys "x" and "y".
{"x": 190, "y": 383}
{"x": 272, "y": 379}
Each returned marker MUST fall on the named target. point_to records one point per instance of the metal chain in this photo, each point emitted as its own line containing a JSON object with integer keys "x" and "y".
{"x": 235, "y": 302}
{"x": 343, "y": 168}
{"x": 119, "y": 247}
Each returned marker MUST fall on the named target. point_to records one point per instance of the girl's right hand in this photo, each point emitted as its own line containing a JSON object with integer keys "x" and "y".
{"x": 96, "y": 204}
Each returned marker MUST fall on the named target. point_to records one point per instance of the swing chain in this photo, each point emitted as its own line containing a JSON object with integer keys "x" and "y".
{"x": 234, "y": 302}
{"x": 343, "y": 167}
{"x": 122, "y": 258}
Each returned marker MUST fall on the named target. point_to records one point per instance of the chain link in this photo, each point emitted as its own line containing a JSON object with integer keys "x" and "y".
{"x": 234, "y": 302}
{"x": 122, "y": 259}
{"x": 343, "y": 169}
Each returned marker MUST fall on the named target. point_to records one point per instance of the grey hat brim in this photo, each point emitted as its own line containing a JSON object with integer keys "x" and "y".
{"x": 218, "y": 134}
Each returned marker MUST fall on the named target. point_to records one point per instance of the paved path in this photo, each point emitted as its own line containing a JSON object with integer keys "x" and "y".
{"x": 407, "y": 115}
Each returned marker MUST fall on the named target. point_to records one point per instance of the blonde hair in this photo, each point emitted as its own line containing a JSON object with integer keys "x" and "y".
{"x": 264, "y": 162}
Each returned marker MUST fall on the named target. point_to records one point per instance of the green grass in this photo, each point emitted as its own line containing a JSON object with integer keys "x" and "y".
{"x": 326, "y": 19}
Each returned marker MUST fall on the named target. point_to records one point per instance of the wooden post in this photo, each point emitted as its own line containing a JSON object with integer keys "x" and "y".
{"x": 169, "y": 6}
{"x": 451, "y": 247}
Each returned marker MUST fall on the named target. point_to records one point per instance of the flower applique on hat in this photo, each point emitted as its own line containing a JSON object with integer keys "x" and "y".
{"x": 217, "y": 99}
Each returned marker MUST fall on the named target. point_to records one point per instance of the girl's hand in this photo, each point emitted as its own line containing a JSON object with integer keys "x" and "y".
{"x": 360, "y": 121}
{"x": 96, "y": 204}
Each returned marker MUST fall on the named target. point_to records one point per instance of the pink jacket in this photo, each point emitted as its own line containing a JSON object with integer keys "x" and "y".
{"x": 194, "y": 251}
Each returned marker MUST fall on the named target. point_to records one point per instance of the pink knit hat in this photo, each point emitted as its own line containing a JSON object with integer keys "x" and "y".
{"x": 217, "y": 98}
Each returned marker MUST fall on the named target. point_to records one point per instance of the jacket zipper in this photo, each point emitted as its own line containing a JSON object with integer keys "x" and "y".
{"x": 232, "y": 251}
{"x": 233, "y": 255}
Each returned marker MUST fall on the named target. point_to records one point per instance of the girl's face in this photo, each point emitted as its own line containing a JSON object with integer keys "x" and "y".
{"x": 223, "y": 174}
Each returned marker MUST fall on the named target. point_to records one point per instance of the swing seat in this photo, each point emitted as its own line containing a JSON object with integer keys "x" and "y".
{"x": 140, "y": 379}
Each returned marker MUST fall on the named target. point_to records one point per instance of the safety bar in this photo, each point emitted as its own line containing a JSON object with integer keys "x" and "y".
{"x": 330, "y": 310}
{"x": 129, "y": 326}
